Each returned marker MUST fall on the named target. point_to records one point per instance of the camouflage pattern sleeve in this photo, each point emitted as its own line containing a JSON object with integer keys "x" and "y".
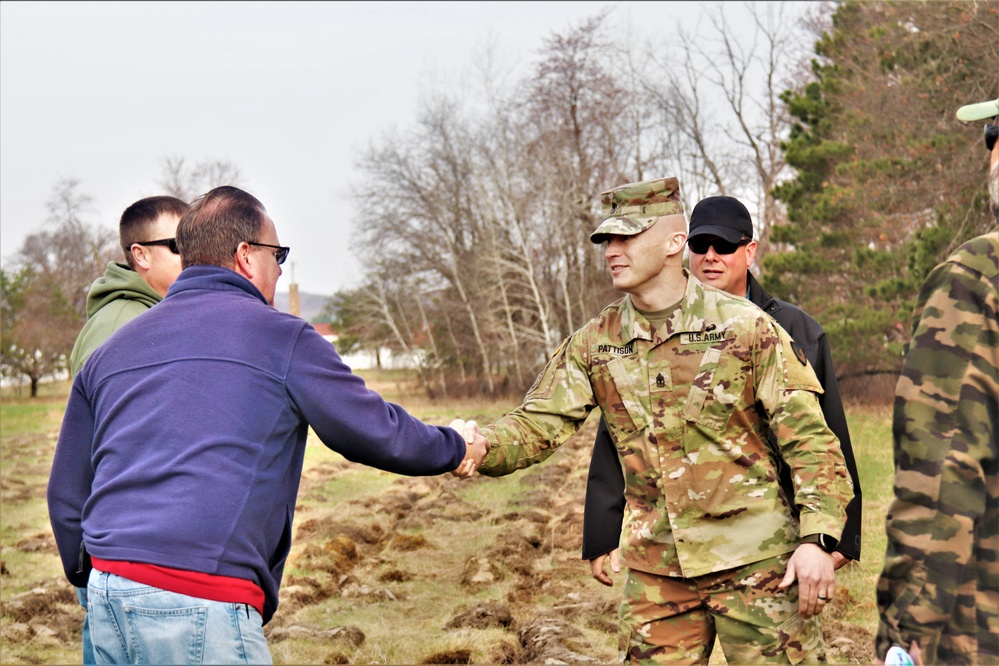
{"x": 554, "y": 409}
{"x": 940, "y": 583}
{"x": 788, "y": 389}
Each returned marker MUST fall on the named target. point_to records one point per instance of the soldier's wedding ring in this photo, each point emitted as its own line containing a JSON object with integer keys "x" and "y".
{"x": 821, "y": 598}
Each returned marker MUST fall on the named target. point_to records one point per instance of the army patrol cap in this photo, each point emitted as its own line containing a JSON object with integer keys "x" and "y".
{"x": 631, "y": 209}
{"x": 724, "y": 217}
{"x": 980, "y": 111}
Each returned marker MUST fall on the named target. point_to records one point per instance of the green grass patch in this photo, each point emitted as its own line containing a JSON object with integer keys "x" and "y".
{"x": 870, "y": 433}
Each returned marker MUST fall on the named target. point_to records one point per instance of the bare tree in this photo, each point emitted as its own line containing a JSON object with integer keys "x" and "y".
{"x": 67, "y": 248}
{"x": 188, "y": 183}
{"x": 518, "y": 235}
{"x": 431, "y": 219}
{"x": 754, "y": 101}
{"x": 518, "y": 241}
{"x": 719, "y": 91}
{"x": 573, "y": 118}
{"x": 45, "y": 293}
{"x": 688, "y": 145}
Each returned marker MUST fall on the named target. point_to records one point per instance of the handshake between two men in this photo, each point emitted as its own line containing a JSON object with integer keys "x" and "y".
{"x": 478, "y": 447}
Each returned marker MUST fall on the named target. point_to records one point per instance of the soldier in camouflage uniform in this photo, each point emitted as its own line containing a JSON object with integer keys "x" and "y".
{"x": 938, "y": 595}
{"x": 722, "y": 220}
{"x": 687, "y": 378}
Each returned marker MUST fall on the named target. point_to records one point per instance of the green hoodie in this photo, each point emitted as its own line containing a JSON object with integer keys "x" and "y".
{"x": 114, "y": 299}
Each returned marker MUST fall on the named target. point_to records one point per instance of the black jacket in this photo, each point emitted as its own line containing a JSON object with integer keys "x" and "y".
{"x": 604, "y": 508}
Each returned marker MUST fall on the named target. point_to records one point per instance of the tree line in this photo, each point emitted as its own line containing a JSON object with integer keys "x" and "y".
{"x": 474, "y": 221}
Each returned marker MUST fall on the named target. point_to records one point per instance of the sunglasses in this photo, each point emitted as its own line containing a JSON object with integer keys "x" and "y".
{"x": 701, "y": 245}
{"x": 991, "y": 133}
{"x": 169, "y": 242}
{"x": 280, "y": 251}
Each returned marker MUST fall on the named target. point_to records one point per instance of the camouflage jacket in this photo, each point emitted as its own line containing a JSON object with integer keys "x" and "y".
{"x": 940, "y": 584}
{"x": 683, "y": 408}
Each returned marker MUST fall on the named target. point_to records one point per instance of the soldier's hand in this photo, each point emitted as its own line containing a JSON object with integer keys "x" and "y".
{"x": 478, "y": 445}
{"x": 597, "y": 567}
{"x": 476, "y": 449}
{"x": 813, "y": 568}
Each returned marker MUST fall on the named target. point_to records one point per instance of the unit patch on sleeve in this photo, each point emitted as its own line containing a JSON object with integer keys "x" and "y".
{"x": 799, "y": 352}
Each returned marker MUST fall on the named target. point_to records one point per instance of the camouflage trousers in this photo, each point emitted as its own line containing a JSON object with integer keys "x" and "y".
{"x": 675, "y": 620}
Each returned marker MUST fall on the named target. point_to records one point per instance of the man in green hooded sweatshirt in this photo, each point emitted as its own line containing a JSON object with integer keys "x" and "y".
{"x": 125, "y": 291}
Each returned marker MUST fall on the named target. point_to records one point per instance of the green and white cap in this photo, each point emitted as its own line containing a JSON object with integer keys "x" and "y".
{"x": 980, "y": 111}
{"x": 631, "y": 209}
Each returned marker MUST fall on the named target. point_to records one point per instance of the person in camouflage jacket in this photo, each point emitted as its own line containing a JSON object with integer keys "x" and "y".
{"x": 681, "y": 372}
{"x": 723, "y": 218}
{"x": 938, "y": 594}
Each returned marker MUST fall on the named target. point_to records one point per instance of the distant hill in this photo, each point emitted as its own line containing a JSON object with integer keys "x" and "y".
{"x": 311, "y": 304}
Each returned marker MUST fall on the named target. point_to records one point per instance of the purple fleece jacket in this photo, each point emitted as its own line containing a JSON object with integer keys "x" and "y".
{"x": 184, "y": 435}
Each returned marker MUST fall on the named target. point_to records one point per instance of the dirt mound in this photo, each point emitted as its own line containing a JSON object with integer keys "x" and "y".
{"x": 299, "y": 591}
{"x": 16, "y": 490}
{"x": 535, "y": 515}
{"x": 550, "y": 640}
{"x": 352, "y": 588}
{"x": 43, "y": 614}
{"x": 845, "y": 642}
{"x": 481, "y": 572}
{"x": 463, "y": 656}
{"x": 316, "y": 528}
{"x": 38, "y": 543}
{"x": 504, "y": 652}
{"x": 347, "y": 635}
{"x": 513, "y": 546}
{"x": 409, "y": 542}
{"x": 400, "y": 500}
{"x": 445, "y": 506}
{"x": 336, "y": 556}
{"x": 484, "y": 616}
{"x": 395, "y": 576}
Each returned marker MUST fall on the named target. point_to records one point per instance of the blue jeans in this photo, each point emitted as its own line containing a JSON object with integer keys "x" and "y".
{"x": 132, "y": 623}
{"x": 88, "y": 647}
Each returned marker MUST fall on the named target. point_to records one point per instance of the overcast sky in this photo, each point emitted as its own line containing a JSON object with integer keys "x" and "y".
{"x": 102, "y": 92}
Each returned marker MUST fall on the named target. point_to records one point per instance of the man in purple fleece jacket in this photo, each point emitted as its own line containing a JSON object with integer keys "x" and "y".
{"x": 176, "y": 473}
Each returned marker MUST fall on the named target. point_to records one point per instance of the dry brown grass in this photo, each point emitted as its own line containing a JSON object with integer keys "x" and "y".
{"x": 388, "y": 569}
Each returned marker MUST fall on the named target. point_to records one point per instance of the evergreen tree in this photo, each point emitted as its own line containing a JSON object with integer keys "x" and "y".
{"x": 888, "y": 181}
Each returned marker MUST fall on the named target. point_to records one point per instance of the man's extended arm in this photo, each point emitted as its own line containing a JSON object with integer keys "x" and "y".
{"x": 358, "y": 423}
{"x": 554, "y": 409}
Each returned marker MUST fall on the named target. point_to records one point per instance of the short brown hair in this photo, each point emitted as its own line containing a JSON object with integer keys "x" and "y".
{"x": 138, "y": 219}
{"x": 216, "y": 223}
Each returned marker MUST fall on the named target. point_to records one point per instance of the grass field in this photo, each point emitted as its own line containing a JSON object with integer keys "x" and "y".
{"x": 388, "y": 569}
